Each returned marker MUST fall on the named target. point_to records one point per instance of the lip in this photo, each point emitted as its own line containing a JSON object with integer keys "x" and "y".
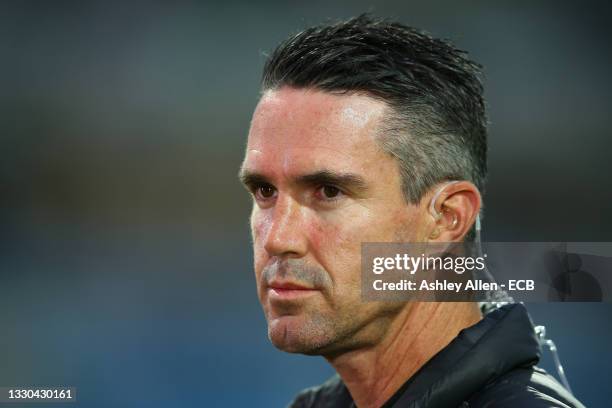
{"x": 288, "y": 290}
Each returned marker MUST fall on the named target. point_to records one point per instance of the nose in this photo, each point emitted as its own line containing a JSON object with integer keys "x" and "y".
{"x": 286, "y": 235}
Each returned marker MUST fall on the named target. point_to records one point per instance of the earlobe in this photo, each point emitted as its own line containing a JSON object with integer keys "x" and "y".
{"x": 435, "y": 233}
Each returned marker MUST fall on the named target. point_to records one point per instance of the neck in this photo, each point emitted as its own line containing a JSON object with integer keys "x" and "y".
{"x": 373, "y": 374}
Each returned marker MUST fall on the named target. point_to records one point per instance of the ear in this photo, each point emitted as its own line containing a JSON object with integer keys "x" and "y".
{"x": 456, "y": 209}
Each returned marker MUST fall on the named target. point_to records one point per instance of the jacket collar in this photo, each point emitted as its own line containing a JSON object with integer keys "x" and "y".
{"x": 503, "y": 340}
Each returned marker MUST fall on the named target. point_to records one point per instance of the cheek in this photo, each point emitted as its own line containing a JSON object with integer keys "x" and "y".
{"x": 337, "y": 246}
{"x": 346, "y": 230}
{"x": 337, "y": 242}
{"x": 259, "y": 230}
{"x": 257, "y": 226}
{"x": 323, "y": 234}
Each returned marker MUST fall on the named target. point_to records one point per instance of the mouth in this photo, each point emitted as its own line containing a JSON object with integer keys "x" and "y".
{"x": 289, "y": 290}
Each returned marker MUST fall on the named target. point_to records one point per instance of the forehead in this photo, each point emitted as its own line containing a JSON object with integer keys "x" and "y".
{"x": 299, "y": 129}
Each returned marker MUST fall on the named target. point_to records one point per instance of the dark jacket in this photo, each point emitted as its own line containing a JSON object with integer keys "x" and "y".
{"x": 491, "y": 364}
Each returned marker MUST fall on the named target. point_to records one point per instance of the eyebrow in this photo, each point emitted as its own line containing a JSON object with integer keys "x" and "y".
{"x": 350, "y": 181}
{"x": 249, "y": 178}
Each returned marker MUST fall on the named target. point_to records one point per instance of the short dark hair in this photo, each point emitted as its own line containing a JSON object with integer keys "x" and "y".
{"x": 437, "y": 128}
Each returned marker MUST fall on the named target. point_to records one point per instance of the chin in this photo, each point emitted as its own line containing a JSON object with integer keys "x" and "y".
{"x": 293, "y": 335}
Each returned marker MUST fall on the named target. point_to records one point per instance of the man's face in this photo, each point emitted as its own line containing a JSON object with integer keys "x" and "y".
{"x": 321, "y": 187}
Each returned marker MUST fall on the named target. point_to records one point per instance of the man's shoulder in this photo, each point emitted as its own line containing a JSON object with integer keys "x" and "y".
{"x": 529, "y": 387}
{"x": 331, "y": 393}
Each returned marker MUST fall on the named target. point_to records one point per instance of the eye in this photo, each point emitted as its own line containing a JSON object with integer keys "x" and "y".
{"x": 329, "y": 192}
{"x": 264, "y": 191}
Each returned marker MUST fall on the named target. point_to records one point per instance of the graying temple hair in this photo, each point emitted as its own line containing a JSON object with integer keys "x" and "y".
{"x": 427, "y": 153}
